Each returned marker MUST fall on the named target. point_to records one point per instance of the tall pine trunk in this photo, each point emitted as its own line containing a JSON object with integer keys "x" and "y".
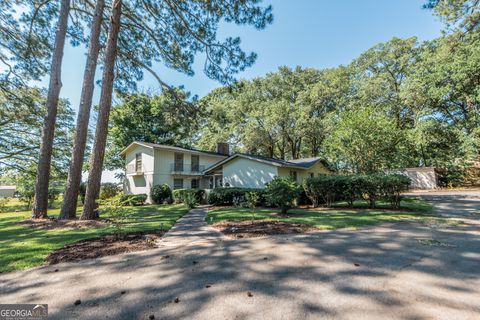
{"x": 45, "y": 157}
{"x": 69, "y": 206}
{"x": 98, "y": 152}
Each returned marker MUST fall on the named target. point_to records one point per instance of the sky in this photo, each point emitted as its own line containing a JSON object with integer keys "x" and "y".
{"x": 306, "y": 33}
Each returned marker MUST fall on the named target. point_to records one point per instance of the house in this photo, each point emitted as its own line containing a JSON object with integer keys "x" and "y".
{"x": 7, "y": 191}
{"x": 149, "y": 164}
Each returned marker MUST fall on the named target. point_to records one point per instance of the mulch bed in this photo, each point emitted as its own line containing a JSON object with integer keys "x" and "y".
{"x": 105, "y": 246}
{"x": 250, "y": 229}
{"x": 48, "y": 224}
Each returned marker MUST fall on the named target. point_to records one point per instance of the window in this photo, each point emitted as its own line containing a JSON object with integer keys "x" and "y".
{"x": 293, "y": 175}
{"x": 178, "y": 165}
{"x": 195, "y": 163}
{"x": 177, "y": 183}
{"x": 311, "y": 174}
{"x": 195, "y": 184}
{"x": 138, "y": 162}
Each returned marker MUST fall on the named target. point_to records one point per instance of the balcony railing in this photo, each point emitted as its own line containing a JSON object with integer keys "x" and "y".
{"x": 185, "y": 168}
{"x": 134, "y": 169}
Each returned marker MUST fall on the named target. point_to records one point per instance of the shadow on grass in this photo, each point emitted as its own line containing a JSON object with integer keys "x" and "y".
{"x": 25, "y": 247}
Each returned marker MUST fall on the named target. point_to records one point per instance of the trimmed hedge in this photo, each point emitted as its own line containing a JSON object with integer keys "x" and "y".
{"x": 133, "y": 199}
{"x": 230, "y": 196}
{"x": 161, "y": 193}
{"x": 179, "y": 195}
{"x": 371, "y": 187}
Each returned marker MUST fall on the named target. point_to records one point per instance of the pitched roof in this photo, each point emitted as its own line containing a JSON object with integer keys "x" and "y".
{"x": 304, "y": 163}
{"x": 173, "y": 148}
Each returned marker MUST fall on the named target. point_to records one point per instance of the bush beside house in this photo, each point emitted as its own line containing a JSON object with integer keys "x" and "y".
{"x": 371, "y": 187}
{"x": 185, "y": 195}
{"x": 231, "y": 196}
{"x": 161, "y": 193}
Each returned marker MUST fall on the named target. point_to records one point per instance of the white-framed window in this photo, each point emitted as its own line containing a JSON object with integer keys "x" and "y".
{"x": 311, "y": 174}
{"x": 177, "y": 183}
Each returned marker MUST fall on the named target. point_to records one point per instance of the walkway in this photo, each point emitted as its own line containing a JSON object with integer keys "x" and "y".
{"x": 190, "y": 230}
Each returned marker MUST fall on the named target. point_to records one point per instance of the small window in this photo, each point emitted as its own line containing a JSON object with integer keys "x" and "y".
{"x": 138, "y": 162}
{"x": 177, "y": 183}
{"x": 311, "y": 174}
{"x": 293, "y": 175}
{"x": 194, "y": 184}
{"x": 195, "y": 163}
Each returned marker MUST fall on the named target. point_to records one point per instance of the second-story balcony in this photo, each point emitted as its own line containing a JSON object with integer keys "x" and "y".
{"x": 186, "y": 168}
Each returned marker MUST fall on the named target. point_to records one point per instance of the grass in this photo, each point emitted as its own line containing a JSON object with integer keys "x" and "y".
{"x": 23, "y": 247}
{"x": 338, "y": 217}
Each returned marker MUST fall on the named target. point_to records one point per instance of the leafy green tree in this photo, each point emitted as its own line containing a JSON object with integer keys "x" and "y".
{"x": 168, "y": 118}
{"x": 20, "y": 123}
{"x": 363, "y": 140}
{"x": 458, "y": 15}
{"x": 380, "y": 74}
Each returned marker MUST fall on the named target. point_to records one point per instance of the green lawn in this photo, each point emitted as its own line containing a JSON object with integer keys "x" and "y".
{"x": 338, "y": 217}
{"x": 23, "y": 247}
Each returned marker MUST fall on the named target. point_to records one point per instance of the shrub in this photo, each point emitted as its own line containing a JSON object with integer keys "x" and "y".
{"x": 190, "y": 199}
{"x": 118, "y": 216}
{"x": 251, "y": 200}
{"x": 282, "y": 192}
{"x": 26, "y": 193}
{"x": 370, "y": 187}
{"x": 180, "y": 194}
{"x": 108, "y": 190}
{"x": 133, "y": 199}
{"x": 3, "y": 203}
{"x": 53, "y": 194}
{"x": 392, "y": 187}
{"x": 231, "y": 196}
{"x": 321, "y": 190}
{"x": 82, "y": 192}
{"x": 161, "y": 193}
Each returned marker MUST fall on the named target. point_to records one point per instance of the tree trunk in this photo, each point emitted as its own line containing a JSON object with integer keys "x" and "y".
{"x": 45, "y": 155}
{"x": 69, "y": 206}
{"x": 98, "y": 152}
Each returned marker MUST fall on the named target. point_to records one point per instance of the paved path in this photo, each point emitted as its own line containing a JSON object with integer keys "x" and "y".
{"x": 391, "y": 271}
{"x": 190, "y": 230}
{"x": 453, "y": 204}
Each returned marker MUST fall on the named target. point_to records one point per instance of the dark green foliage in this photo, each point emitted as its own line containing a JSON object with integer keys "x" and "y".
{"x": 227, "y": 196}
{"x": 82, "y": 191}
{"x": 133, "y": 199}
{"x": 371, "y": 187}
{"x": 53, "y": 194}
{"x": 180, "y": 195}
{"x": 282, "y": 192}
{"x": 161, "y": 193}
{"x": 108, "y": 190}
{"x": 165, "y": 119}
{"x": 26, "y": 192}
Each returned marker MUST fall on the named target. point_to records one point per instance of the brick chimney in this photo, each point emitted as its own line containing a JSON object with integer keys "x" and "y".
{"x": 223, "y": 148}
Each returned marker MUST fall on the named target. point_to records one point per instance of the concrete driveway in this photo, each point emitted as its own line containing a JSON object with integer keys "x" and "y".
{"x": 392, "y": 271}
